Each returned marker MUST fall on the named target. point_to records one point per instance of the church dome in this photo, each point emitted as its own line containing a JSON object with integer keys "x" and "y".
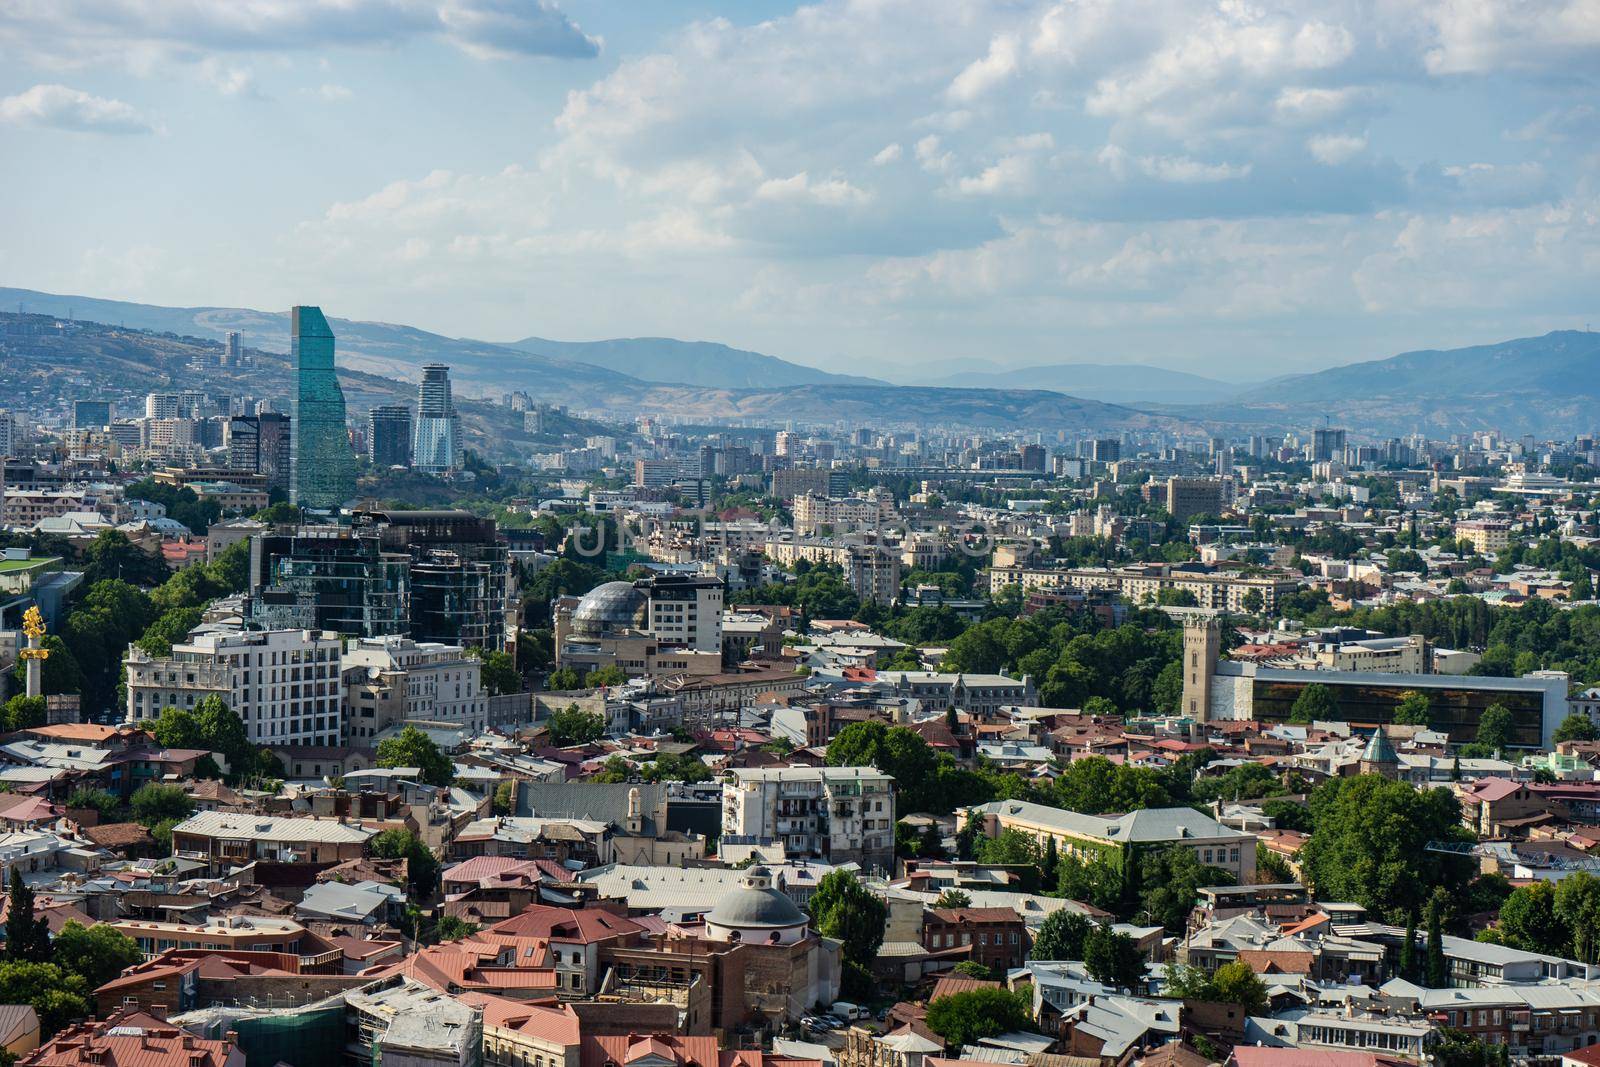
{"x": 755, "y": 908}
{"x": 607, "y": 608}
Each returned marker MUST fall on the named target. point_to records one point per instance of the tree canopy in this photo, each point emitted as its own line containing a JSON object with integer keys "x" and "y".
{"x": 413, "y": 748}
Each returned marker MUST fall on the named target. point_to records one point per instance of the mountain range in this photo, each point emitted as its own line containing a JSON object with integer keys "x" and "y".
{"x": 678, "y": 379}
{"x": 1114, "y": 383}
{"x": 1548, "y": 385}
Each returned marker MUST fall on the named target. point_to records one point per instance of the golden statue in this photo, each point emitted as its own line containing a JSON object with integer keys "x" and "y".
{"x": 33, "y": 627}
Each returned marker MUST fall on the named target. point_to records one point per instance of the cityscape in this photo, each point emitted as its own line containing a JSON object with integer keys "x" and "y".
{"x": 1142, "y": 614}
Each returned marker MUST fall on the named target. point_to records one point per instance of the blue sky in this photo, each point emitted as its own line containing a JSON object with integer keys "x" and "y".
{"x": 1236, "y": 189}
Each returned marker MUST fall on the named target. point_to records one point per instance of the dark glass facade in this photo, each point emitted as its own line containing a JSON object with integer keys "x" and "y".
{"x": 433, "y": 575}
{"x": 324, "y": 475}
{"x": 1455, "y": 710}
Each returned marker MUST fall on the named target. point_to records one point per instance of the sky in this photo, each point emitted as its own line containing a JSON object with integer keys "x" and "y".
{"x": 889, "y": 187}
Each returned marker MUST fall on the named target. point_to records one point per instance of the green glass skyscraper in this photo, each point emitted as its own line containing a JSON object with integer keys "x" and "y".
{"x": 324, "y": 468}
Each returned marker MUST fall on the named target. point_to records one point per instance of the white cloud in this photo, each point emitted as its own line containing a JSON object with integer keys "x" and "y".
{"x": 142, "y": 31}
{"x": 1008, "y": 175}
{"x": 830, "y": 192}
{"x": 1101, "y": 165}
{"x": 1333, "y": 149}
{"x": 1177, "y": 169}
{"x": 332, "y": 91}
{"x": 931, "y": 158}
{"x": 63, "y": 108}
{"x": 984, "y": 74}
{"x": 228, "y": 80}
{"x": 1477, "y": 36}
{"x": 1300, "y": 105}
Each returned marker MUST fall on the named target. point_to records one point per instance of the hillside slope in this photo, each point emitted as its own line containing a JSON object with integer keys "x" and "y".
{"x": 665, "y": 359}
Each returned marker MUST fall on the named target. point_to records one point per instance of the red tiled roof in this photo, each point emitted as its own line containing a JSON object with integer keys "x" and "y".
{"x": 129, "y": 1040}
{"x": 567, "y": 924}
{"x": 1263, "y": 961}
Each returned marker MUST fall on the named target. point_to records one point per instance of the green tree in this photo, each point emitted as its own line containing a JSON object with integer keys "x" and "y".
{"x": 161, "y": 833}
{"x": 896, "y": 751}
{"x": 453, "y": 928}
{"x": 564, "y": 680}
{"x": 154, "y": 802}
{"x": 498, "y": 671}
{"x": 1528, "y": 920}
{"x": 413, "y": 748}
{"x": 1061, "y": 936}
{"x": 27, "y": 935}
{"x": 211, "y": 726}
{"x": 1457, "y": 1048}
{"x": 1577, "y": 904}
{"x": 973, "y": 969}
{"x": 173, "y": 626}
{"x": 675, "y": 767}
{"x": 572, "y": 725}
{"x": 1495, "y": 727}
{"x": 954, "y": 898}
{"x": 1172, "y": 878}
{"x": 1113, "y": 959}
{"x": 106, "y": 804}
{"x": 1231, "y": 983}
{"x": 505, "y": 795}
{"x": 23, "y": 712}
{"x": 1370, "y": 843}
{"x": 1095, "y": 785}
{"x": 97, "y": 953}
{"x": 1438, "y": 976}
{"x": 1576, "y": 727}
{"x": 1412, "y": 709}
{"x": 1408, "y": 951}
{"x": 963, "y": 1018}
{"x": 1315, "y": 703}
{"x": 1098, "y": 882}
{"x": 843, "y": 909}
{"x": 57, "y": 996}
{"x": 605, "y": 676}
{"x": 422, "y": 866}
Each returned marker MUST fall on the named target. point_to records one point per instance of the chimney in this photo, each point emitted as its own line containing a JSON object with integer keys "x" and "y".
{"x": 159, "y": 1011}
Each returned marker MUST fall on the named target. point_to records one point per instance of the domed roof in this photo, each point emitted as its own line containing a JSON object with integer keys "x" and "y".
{"x": 608, "y": 608}
{"x": 756, "y": 904}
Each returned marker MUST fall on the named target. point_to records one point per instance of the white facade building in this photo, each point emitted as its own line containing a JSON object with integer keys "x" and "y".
{"x": 837, "y": 814}
{"x": 284, "y": 684}
{"x": 439, "y": 682}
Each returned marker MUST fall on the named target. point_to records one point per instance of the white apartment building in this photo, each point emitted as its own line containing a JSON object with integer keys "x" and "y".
{"x": 1487, "y": 536}
{"x": 871, "y": 570}
{"x": 284, "y": 684}
{"x": 686, "y": 611}
{"x": 393, "y": 677}
{"x": 814, "y": 514}
{"x": 836, "y": 814}
{"x": 1219, "y": 591}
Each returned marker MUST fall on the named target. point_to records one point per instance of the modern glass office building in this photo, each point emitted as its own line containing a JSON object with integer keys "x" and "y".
{"x": 437, "y": 447}
{"x": 324, "y": 468}
{"x": 433, "y": 575}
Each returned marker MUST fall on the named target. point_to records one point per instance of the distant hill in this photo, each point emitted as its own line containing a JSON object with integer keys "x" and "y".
{"x": 664, "y": 359}
{"x": 482, "y": 366}
{"x": 379, "y": 348}
{"x": 905, "y": 406}
{"x": 1116, "y": 383}
{"x": 1547, "y": 385}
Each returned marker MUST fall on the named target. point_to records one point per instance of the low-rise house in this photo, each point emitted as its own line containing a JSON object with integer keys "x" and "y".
{"x": 224, "y": 840}
{"x": 1149, "y": 829}
{"x": 132, "y": 1038}
{"x": 995, "y": 937}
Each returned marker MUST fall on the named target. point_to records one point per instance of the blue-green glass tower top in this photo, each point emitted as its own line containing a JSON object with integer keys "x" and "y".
{"x": 324, "y": 467}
